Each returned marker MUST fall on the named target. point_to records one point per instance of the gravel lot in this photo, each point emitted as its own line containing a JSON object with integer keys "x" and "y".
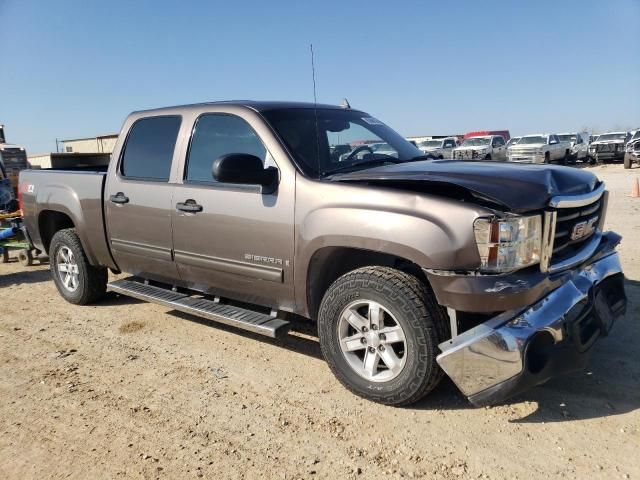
{"x": 128, "y": 389}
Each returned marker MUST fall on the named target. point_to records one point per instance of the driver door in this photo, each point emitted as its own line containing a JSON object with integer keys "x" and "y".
{"x": 234, "y": 240}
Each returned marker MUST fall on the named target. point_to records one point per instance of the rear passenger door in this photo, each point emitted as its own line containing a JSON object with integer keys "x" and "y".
{"x": 239, "y": 242}
{"x": 138, "y": 199}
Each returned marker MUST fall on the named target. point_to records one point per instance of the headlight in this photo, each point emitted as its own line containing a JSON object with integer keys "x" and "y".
{"x": 509, "y": 243}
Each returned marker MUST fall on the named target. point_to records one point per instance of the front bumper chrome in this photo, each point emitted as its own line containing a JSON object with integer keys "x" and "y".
{"x": 521, "y": 348}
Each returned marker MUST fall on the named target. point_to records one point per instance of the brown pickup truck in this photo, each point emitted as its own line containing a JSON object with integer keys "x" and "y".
{"x": 250, "y": 213}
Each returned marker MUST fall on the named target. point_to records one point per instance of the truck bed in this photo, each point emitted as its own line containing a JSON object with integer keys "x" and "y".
{"x": 73, "y": 195}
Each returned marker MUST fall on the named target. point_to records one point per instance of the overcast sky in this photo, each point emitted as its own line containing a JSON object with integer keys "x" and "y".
{"x": 77, "y": 68}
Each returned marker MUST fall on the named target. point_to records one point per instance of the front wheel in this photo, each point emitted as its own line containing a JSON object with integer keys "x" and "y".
{"x": 627, "y": 160}
{"x": 77, "y": 280}
{"x": 547, "y": 158}
{"x": 379, "y": 331}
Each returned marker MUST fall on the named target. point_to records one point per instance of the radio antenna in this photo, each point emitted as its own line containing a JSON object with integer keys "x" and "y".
{"x": 313, "y": 75}
{"x": 315, "y": 104}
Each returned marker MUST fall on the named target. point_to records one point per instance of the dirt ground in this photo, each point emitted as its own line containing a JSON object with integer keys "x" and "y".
{"x": 133, "y": 390}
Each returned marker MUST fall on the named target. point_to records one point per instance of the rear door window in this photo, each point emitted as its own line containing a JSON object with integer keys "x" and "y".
{"x": 148, "y": 151}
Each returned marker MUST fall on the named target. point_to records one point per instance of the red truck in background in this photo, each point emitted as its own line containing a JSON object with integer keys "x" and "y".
{"x": 481, "y": 133}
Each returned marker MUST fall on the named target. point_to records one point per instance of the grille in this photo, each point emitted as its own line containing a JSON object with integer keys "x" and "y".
{"x": 567, "y": 219}
{"x": 609, "y": 147}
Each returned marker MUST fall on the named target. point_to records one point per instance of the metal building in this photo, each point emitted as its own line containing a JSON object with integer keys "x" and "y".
{"x": 101, "y": 144}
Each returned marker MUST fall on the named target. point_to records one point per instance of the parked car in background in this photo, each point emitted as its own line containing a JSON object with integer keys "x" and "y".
{"x": 632, "y": 150}
{"x": 438, "y": 147}
{"x": 512, "y": 141}
{"x": 540, "y": 148}
{"x": 411, "y": 268}
{"x": 579, "y": 144}
{"x": 490, "y": 147}
{"x": 610, "y": 147}
{"x": 384, "y": 149}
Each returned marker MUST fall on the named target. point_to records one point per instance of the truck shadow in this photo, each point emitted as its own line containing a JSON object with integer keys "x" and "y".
{"x": 609, "y": 386}
{"x": 302, "y": 337}
{"x": 24, "y": 277}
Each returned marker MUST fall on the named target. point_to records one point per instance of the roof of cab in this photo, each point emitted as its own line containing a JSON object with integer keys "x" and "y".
{"x": 257, "y": 105}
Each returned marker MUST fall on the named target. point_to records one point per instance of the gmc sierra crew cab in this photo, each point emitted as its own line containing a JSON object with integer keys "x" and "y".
{"x": 500, "y": 276}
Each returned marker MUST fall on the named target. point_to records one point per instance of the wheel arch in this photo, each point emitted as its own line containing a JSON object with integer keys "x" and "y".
{"x": 328, "y": 264}
{"x": 50, "y": 222}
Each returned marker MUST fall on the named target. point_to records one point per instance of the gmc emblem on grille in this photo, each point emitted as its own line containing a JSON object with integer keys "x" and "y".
{"x": 583, "y": 229}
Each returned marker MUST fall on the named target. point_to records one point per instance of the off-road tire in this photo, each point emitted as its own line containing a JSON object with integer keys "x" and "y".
{"x": 487, "y": 157}
{"x": 627, "y": 161}
{"x": 547, "y": 157}
{"x": 92, "y": 280}
{"x": 414, "y": 306}
{"x": 4, "y": 258}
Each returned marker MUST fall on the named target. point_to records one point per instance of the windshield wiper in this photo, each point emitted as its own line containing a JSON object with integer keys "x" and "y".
{"x": 373, "y": 163}
{"x": 420, "y": 157}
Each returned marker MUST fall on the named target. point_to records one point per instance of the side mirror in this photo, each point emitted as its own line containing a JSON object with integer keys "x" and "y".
{"x": 243, "y": 169}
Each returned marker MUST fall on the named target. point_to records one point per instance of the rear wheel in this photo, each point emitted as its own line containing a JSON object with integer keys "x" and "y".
{"x": 77, "y": 280}
{"x": 379, "y": 332}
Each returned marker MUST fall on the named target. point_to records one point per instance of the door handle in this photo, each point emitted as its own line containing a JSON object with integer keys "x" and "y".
{"x": 119, "y": 198}
{"x": 189, "y": 206}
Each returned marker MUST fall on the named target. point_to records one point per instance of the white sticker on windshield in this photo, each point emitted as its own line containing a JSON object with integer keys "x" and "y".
{"x": 372, "y": 121}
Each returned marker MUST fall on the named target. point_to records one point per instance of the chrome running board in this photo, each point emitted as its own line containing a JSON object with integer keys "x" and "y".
{"x": 234, "y": 316}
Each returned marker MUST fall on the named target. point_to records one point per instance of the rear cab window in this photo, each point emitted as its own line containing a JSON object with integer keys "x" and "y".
{"x": 148, "y": 151}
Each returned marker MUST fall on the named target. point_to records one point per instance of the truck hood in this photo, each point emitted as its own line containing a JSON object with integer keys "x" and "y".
{"x": 607, "y": 142}
{"x": 526, "y": 146}
{"x": 512, "y": 187}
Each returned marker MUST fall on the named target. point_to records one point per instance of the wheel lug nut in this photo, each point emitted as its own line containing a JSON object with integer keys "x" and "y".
{"x": 372, "y": 350}
{"x": 374, "y": 327}
{"x": 381, "y": 348}
{"x": 363, "y": 340}
{"x": 382, "y": 336}
{"x": 365, "y": 329}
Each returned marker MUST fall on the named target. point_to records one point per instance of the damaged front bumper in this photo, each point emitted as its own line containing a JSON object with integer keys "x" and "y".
{"x": 526, "y": 346}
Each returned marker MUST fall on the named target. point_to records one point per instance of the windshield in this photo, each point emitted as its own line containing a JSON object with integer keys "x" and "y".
{"x": 317, "y": 155}
{"x": 533, "y": 139}
{"x": 476, "y": 141}
{"x": 376, "y": 147}
{"x": 431, "y": 143}
{"x": 513, "y": 141}
{"x": 567, "y": 138}
{"x": 612, "y": 136}
{"x": 636, "y": 135}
